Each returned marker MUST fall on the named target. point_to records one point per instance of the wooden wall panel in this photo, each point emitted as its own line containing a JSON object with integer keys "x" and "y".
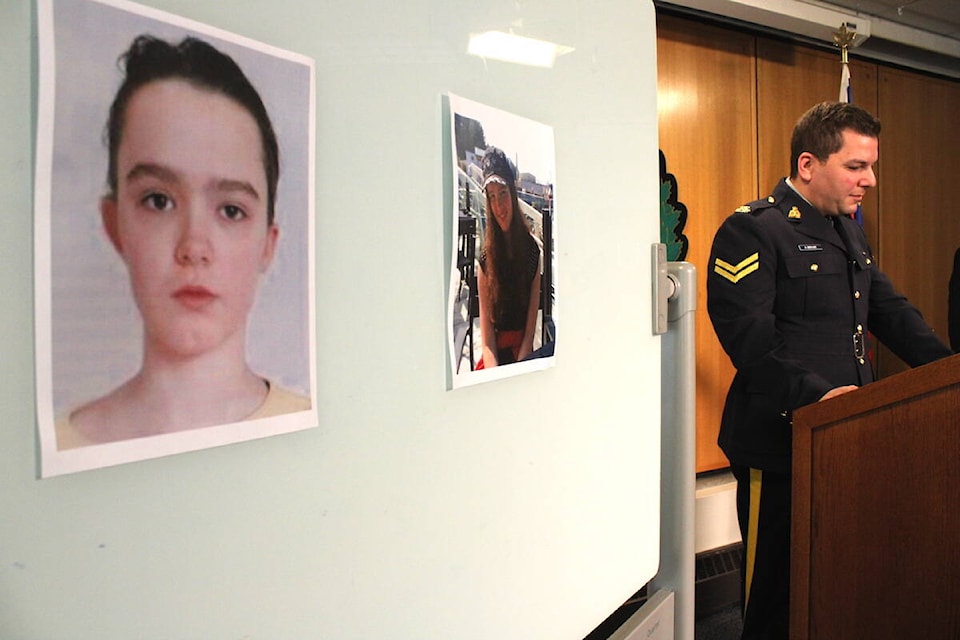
{"x": 793, "y": 78}
{"x": 919, "y": 156}
{"x": 707, "y": 131}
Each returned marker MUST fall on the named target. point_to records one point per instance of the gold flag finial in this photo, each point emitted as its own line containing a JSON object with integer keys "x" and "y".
{"x": 843, "y": 39}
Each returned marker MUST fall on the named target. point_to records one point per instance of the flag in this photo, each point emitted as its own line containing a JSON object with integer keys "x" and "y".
{"x": 846, "y": 91}
{"x": 846, "y": 95}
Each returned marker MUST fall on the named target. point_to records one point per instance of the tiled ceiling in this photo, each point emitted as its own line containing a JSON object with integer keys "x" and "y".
{"x": 941, "y": 17}
{"x": 918, "y": 34}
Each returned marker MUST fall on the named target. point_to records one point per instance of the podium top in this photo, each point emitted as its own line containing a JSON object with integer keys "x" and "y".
{"x": 887, "y": 391}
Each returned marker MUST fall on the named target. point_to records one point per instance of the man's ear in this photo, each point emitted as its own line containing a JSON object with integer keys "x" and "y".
{"x": 805, "y": 165}
{"x": 108, "y": 216}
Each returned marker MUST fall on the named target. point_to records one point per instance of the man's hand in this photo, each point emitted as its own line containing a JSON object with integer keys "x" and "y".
{"x": 838, "y": 391}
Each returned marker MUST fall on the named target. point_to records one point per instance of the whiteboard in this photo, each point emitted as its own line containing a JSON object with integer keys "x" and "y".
{"x": 521, "y": 508}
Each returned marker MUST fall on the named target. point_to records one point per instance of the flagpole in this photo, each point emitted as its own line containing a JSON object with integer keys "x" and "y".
{"x": 843, "y": 38}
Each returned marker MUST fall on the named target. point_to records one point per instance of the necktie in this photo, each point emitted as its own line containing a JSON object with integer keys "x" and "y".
{"x": 844, "y": 238}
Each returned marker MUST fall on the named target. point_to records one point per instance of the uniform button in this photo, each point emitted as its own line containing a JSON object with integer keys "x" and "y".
{"x": 771, "y": 199}
{"x": 862, "y": 361}
{"x": 814, "y": 267}
{"x": 856, "y": 295}
{"x": 859, "y": 328}
{"x": 868, "y": 261}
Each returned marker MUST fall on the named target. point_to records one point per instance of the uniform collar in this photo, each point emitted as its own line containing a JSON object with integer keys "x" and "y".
{"x": 796, "y": 191}
{"x": 806, "y": 218}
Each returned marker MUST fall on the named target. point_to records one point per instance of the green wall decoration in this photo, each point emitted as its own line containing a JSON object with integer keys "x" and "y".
{"x": 673, "y": 215}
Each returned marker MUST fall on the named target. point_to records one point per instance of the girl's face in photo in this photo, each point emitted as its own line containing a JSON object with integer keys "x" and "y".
{"x": 500, "y": 203}
{"x": 189, "y": 217}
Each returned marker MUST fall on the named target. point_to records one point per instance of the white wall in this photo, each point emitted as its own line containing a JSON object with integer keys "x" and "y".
{"x": 522, "y": 508}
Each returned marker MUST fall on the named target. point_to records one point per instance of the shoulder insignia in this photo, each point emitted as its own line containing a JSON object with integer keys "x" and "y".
{"x": 737, "y": 272}
{"x": 794, "y": 214}
{"x": 755, "y": 207}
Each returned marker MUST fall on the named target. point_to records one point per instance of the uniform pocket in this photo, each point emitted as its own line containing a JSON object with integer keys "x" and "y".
{"x": 811, "y": 285}
{"x": 815, "y": 265}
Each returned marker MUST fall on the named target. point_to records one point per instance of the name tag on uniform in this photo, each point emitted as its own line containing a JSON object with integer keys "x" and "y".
{"x": 810, "y": 247}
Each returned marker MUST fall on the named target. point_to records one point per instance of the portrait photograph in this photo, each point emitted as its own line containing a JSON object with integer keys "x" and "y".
{"x": 502, "y": 302}
{"x": 174, "y": 224}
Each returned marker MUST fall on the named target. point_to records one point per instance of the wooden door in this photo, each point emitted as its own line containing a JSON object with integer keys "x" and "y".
{"x": 706, "y": 107}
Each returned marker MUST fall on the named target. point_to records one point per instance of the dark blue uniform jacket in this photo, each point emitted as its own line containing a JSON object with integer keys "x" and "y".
{"x": 792, "y": 304}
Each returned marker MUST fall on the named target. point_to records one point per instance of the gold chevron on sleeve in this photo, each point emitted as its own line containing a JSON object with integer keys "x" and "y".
{"x": 737, "y": 272}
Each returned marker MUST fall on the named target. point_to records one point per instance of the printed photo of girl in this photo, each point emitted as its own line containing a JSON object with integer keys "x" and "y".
{"x": 195, "y": 210}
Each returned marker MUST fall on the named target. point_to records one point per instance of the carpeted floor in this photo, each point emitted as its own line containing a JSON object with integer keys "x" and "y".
{"x": 722, "y": 625}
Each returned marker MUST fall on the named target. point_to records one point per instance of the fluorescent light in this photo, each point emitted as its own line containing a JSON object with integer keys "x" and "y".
{"x": 511, "y": 48}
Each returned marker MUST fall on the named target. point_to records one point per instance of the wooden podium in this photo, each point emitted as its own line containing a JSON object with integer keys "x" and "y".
{"x": 876, "y": 510}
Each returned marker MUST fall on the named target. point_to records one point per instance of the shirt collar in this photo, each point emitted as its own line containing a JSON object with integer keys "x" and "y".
{"x": 790, "y": 184}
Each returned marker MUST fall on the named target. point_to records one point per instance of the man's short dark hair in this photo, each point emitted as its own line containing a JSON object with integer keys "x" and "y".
{"x": 820, "y": 130}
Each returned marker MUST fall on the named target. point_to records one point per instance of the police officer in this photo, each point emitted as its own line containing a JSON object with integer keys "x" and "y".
{"x": 792, "y": 290}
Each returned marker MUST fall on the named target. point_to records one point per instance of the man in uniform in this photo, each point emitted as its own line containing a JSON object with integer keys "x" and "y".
{"x": 792, "y": 290}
